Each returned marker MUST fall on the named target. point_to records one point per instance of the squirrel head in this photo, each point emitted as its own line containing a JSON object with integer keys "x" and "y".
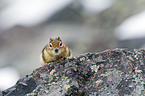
{"x": 58, "y": 38}
{"x": 56, "y": 46}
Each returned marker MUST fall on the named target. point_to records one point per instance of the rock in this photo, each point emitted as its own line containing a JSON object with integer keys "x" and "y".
{"x": 111, "y": 72}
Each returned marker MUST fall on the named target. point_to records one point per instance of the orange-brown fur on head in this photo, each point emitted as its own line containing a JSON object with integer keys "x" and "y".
{"x": 54, "y": 50}
{"x": 56, "y": 44}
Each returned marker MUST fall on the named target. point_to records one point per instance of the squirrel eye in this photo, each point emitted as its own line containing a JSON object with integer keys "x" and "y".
{"x": 60, "y": 44}
{"x": 50, "y": 45}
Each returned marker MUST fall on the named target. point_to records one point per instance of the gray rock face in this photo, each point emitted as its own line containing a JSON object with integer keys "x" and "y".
{"x": 117, "y": 72}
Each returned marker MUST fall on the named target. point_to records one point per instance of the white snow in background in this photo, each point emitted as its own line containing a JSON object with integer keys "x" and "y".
{"x": 29, "y": 12}
{"x": 132, "y": 28}
{"x": 96, "y": 6}
{"x": 34, "y": 12}
{"x": 8, "y": 77}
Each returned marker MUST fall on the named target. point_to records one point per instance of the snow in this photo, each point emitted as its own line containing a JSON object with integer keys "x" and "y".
{"x": 33, "y": 12}
{"x": 96, "y": 6}
{"x": 8, "y": 77}
{"x": 30, "y": 12}
{"x": 132, "y": 28}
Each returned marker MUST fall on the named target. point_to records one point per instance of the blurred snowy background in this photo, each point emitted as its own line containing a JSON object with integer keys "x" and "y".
{"x": 84, "y": 25}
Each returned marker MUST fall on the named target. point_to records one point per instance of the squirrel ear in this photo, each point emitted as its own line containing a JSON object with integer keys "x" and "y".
{"x": 58, "y": 38}
{"x": 51, "y": 39}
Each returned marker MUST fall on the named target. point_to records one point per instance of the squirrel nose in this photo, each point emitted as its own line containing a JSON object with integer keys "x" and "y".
{"x": 56, "y": 50}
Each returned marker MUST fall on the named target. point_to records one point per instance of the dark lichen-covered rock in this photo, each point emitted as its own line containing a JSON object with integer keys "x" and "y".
{"x": 112, "y": 72}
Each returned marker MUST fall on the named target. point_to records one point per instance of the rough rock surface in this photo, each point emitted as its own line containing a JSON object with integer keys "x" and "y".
{"x": 117, "y": 72}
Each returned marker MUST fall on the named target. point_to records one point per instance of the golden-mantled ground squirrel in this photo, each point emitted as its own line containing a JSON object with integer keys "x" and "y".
{"x": 55, "y": 50}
